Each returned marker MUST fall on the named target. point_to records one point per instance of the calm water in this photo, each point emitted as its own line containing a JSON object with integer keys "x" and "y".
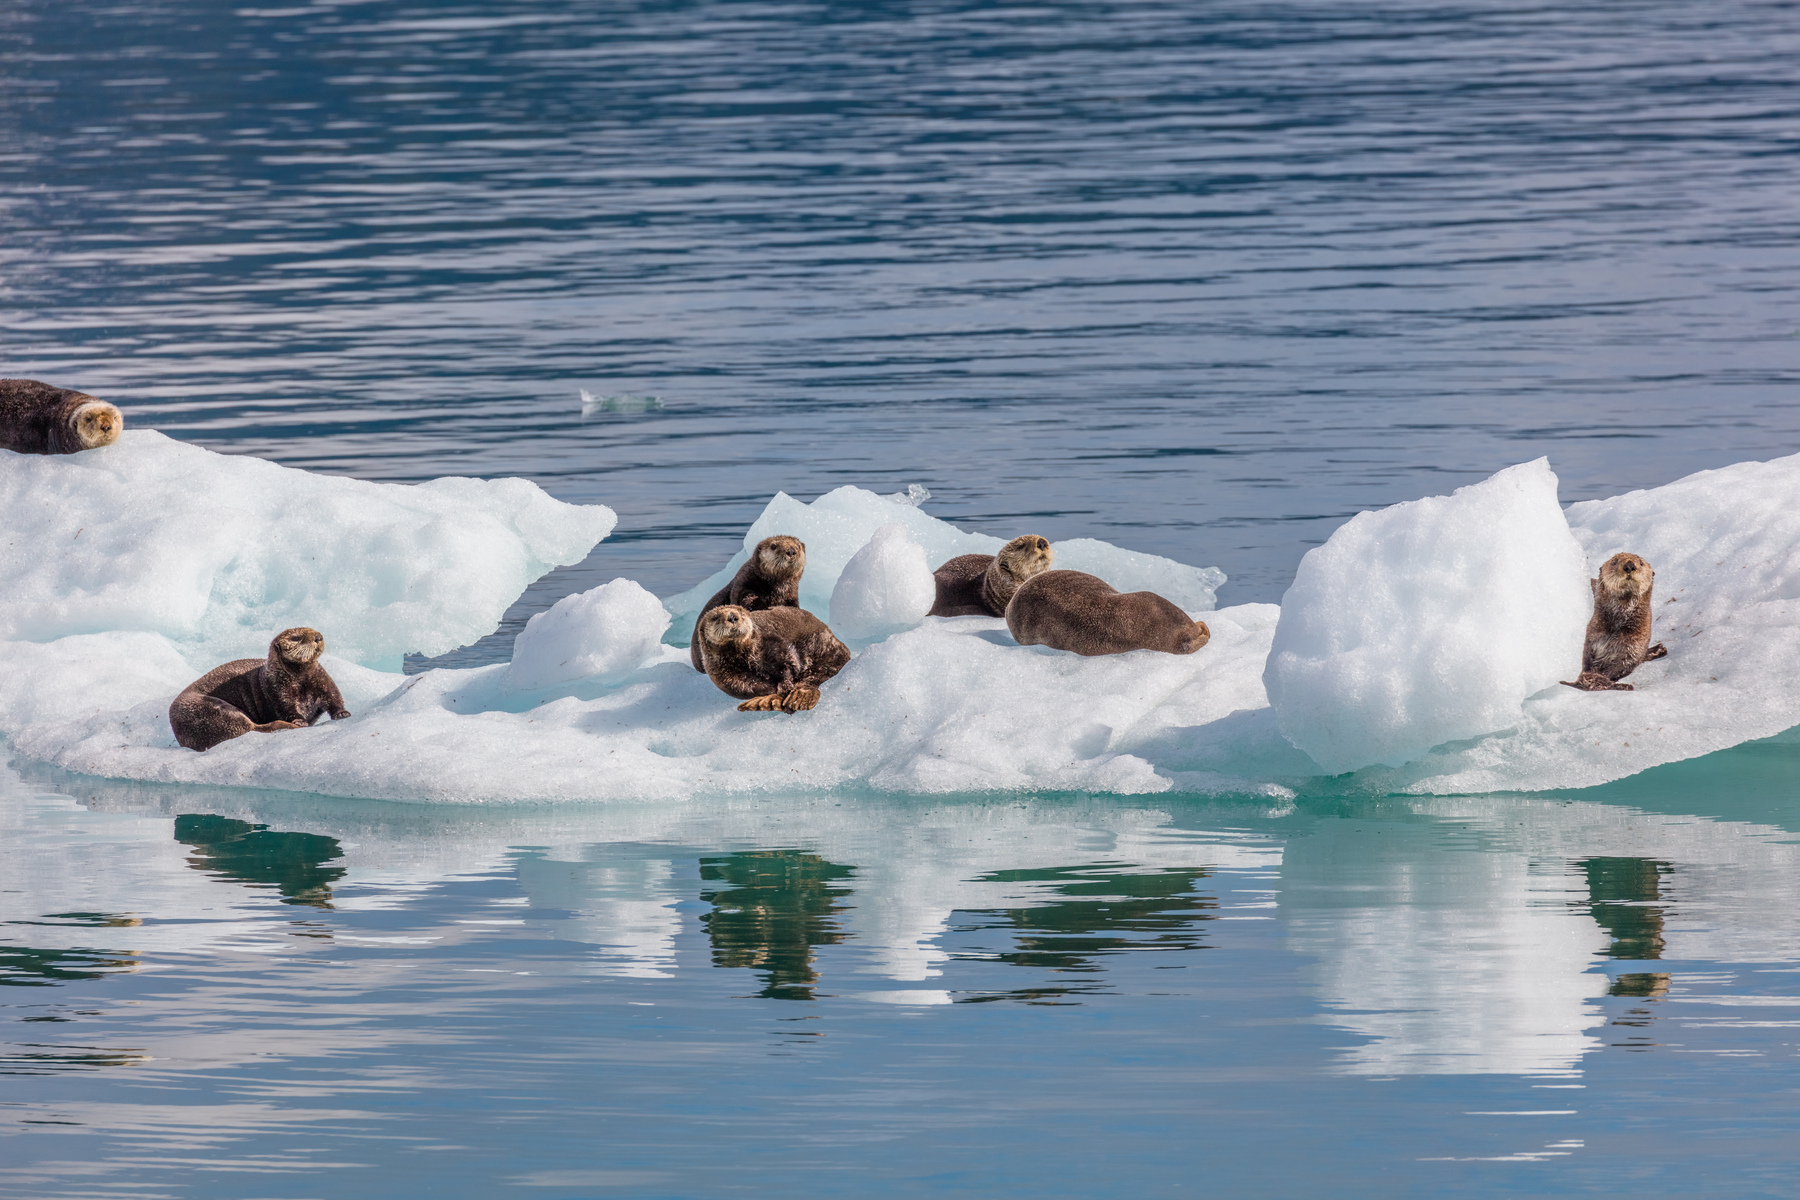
{"x": 1199, "y": 279}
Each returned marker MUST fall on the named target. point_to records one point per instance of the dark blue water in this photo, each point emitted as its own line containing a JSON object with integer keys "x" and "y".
{"x": 1199, "y": 279}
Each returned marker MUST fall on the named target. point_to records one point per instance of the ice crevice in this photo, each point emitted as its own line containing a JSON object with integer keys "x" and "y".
{"x": 1417, "y": 651}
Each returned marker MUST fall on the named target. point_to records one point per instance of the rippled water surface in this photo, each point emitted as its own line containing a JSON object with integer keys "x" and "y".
{"x": 1200, "y": 279}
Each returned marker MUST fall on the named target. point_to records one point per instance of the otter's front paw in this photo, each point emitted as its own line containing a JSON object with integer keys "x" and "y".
{"x": 277, "y": 726}
{"x": 1656, "y": 651}
{"x": 760, "y": 704}
{"x": 342, "y": 714}
{"x": 800, "y": 699}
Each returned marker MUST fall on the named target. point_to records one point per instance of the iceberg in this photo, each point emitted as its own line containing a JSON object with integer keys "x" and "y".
{"x": 216, "y": 553}
{"x": 594, "y": 706}
{"x": 1429, "y": 622}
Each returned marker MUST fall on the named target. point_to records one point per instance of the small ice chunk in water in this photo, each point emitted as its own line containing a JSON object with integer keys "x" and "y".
{"x": 606, "y": 634}
{"x": 1429, "y": 622}
{"x": 591, "y": 403}
{"x": 884, "y": 588}
{"x": 914, "y": 495}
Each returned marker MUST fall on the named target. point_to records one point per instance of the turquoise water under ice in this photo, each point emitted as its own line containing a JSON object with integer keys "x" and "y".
{"x": 1199, "y": 279}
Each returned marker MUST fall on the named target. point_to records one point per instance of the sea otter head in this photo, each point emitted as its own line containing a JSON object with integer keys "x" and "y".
{"x": 726, "y": 624}
{"x": 299, "y": 647}
{"x": 97, "y": 423}
{"x": 1024, "y": 557}
{"x": 780, "y": 557}
{"x": 1625, "y": 578}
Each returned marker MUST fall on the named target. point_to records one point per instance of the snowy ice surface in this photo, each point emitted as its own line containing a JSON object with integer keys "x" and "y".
{"x": 216, "y": 553}
{"x": 604, "y": 634}
{"x": 952, "y": 705}
{"x": 1725, "y": 546}
{"x": 841, "y": 522}
{"x": 1429, "y": 622}
{"x": 884, "y": 588}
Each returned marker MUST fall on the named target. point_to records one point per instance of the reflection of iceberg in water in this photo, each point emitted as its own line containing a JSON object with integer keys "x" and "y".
{"x": 625, "y": 907}
{"x": 1454, "y": 960}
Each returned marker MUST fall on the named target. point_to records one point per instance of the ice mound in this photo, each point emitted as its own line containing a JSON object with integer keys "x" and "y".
{"x": 218, "y": 552}
{"x": 884, "y": 588}
{"x": 1725, "y": 545}
{"x": 604, "y": 634}
{"x": 1429, "y": 622}
{"x": 839, "y": 523}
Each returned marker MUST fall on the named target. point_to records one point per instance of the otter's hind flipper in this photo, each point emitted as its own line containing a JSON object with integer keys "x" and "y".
{"x": 1594, "y": 681}
{"x": 769, "y": 703}
{"x": 1655, "y": 652}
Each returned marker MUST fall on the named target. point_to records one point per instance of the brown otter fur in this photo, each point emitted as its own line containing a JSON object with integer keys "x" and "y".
{"x": 37, "y": 418}
{"x": 980, "y": 585}
{"x": 1075, "y": 611}
{"x": 772, "y": 659}
{"x": 771, "y": 579}
{"x": 1618, "y": 634}
{"x": 287, "y": 690}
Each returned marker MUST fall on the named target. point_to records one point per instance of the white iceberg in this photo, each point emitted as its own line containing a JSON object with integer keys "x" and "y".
{"x": 1429, "y": 622}
{"x": 944, "y": 707}
{"x": 216, "y": 553}
{"x": 884, "y": 588}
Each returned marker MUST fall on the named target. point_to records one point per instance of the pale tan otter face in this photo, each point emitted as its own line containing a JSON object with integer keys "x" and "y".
{"x": 300, "y": 646}
{"x": 780, "y": 557}
{"x": 98, "y": 424}
{"x": 1026, "y": 556}
{"x": 1627, "y": 576}
{"x": 727, "y": 623}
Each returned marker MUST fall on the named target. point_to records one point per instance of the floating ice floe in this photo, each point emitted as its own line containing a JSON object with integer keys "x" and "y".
{"x": 591, "y": 708}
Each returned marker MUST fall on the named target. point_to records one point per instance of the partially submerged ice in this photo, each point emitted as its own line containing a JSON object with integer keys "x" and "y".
{"x": 1429, "y": 622}
{"x": 592, "y": 706}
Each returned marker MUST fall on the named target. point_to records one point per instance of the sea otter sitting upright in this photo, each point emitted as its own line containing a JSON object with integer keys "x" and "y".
{"x": 980, "y": 585}
{"x": 775, "y": 659}
{"x": 36, "y": 418}
{"x": 1618, "y": 634}
{"x": 287, "y": 690}
{"x": 771, "y": 579}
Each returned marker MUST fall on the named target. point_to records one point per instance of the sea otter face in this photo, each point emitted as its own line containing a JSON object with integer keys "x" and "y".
{"x": 727, "y": 623}
{"x": 1026, "y": 556}
{"x": 780, "y": 557}
{"x": 98, "y": 424}
{"x": 299, "y": 647}
{"x": 1626, "y": 577}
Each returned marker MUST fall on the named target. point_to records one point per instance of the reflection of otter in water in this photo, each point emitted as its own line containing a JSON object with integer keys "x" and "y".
{"x": 1621, "y": 896}
{"x": 770, "y": 908}
{"x": 291, "y": 863}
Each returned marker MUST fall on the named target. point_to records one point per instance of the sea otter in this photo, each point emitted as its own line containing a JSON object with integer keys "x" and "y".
{"x": 1618, "y": 634}
{"x": 287, "y": 690}
{"x": 36, "y": 418}
{"x": 774, "y": 659}
{"x": 771, "y": 579}
{"x": 1078, "y": 612}
{"x": 979, "y": 585}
